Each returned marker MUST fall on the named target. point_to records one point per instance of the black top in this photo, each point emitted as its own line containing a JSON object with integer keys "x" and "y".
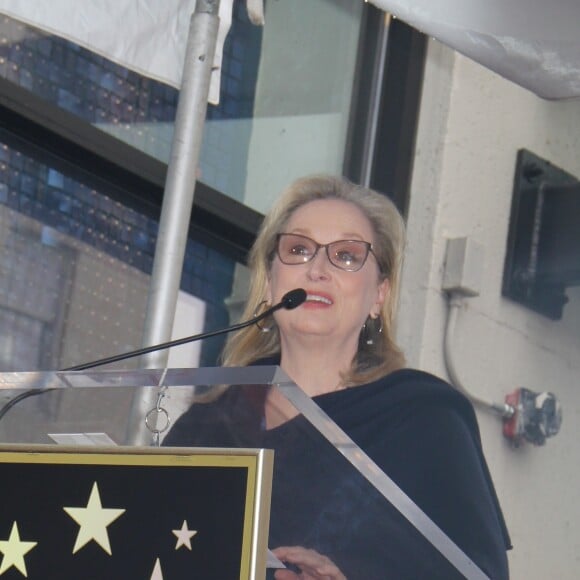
{"x": 420, "y": 431}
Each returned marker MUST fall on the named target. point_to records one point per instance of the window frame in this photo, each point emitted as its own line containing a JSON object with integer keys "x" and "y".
{"x": 129, "y": 175}
{"x": 381, "y": 139}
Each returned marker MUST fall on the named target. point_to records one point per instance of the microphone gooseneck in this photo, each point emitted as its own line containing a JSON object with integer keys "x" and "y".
{"x": 289, "y": 301}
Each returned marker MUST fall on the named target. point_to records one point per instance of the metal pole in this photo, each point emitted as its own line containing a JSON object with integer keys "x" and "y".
{"x": 177, "y": 200}
{"x": 181, "y": 177}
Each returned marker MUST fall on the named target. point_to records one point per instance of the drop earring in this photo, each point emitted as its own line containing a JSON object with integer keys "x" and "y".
{"x": 370, "y": 330}
{"x": 263, "y": 306}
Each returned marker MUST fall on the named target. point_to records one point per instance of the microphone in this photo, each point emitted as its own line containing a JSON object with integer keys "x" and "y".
{"x": 289, "y": 301}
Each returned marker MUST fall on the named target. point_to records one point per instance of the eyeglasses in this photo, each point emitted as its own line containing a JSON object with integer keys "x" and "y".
{"x": 349, "y": 255}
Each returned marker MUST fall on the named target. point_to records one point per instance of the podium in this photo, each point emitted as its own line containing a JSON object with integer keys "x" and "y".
{"x": 195, "y": 473}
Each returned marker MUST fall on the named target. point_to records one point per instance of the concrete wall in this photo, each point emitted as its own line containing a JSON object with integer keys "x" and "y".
{"x": 472, "y": 123}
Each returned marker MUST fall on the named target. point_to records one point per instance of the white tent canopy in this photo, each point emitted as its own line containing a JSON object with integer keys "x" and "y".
{"x": 533, "y": 43}
{"x": 146, "y": 36}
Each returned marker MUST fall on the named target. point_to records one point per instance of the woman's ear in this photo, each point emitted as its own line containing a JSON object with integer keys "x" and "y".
{"x": 383, "y": 294}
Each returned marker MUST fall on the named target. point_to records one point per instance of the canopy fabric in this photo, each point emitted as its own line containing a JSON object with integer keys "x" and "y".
{"x": 146, "y": 36}
{"x": 533, "y": 43}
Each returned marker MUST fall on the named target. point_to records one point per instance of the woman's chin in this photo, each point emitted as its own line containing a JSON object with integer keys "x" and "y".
{"x": 310, "y": 330}
{"x": 314, "y": 332}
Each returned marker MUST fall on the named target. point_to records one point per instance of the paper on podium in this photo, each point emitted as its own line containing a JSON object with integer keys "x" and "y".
{"x": 101, "y": 439}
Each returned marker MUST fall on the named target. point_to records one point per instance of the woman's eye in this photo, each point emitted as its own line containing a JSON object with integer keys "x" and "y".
{"x": 346, "y": 257}
{"x": 299, "y": 251}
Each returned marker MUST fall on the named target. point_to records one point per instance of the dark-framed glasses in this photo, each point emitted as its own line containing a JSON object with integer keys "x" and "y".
{"x": 349, "y": 255}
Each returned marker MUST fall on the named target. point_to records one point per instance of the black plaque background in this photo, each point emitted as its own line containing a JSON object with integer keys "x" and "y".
{"x": 156, "y": 498}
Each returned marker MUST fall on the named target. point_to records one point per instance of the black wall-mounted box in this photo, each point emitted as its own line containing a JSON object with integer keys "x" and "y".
{"x": 543, "y": 252}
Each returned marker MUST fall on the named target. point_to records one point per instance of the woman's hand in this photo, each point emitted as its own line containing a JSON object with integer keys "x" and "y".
{"x": 311, "y": 565}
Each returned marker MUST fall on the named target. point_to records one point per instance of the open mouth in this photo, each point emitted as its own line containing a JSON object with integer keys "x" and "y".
{"x": 318, "y": 298}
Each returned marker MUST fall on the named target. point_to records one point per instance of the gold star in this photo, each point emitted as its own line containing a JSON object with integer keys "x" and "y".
{"x": 14, "y": 550}
{"x": 93, "y": 521}
{"x": 184, "y": 536}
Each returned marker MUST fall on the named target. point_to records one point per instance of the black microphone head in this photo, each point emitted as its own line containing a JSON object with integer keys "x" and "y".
{"x": 294, "y": 298}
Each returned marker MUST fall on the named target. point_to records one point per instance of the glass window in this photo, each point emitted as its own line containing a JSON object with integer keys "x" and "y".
{"x": 84, "y": 257}
{"x": 75, "y": 266}
{"x": 285, "y": 95}
{"x": 303, "y": 94}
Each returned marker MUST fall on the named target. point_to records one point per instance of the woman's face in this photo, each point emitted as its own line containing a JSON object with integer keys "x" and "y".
{"x": 338, "y": 301}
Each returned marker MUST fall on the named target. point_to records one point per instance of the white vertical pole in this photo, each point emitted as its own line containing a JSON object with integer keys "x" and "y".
{"x": 181, "y": 177}
{"x": 177, "y": 202}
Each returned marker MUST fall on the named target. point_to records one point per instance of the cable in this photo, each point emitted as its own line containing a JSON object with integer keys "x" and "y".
{"x": 21, "y": 397}
{"x": 455, "y": 301}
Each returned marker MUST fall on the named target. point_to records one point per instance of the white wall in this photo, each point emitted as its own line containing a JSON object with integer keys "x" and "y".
{"x": 472, "y": 123}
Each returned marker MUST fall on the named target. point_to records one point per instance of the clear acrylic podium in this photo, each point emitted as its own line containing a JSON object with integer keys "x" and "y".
{"x": 201, "y": 472}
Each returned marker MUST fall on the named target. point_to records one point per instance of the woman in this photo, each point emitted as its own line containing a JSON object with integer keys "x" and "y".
{"x": 343, "y": 244}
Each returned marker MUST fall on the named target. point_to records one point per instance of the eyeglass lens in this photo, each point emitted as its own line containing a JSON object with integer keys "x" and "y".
{"x": 347, "y": 255}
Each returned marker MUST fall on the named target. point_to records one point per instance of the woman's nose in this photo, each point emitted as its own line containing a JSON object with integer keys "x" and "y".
{"x": 318, "y": 266}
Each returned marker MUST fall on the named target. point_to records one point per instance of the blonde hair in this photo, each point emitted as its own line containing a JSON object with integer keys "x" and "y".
{"x": 372, "y": 360}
